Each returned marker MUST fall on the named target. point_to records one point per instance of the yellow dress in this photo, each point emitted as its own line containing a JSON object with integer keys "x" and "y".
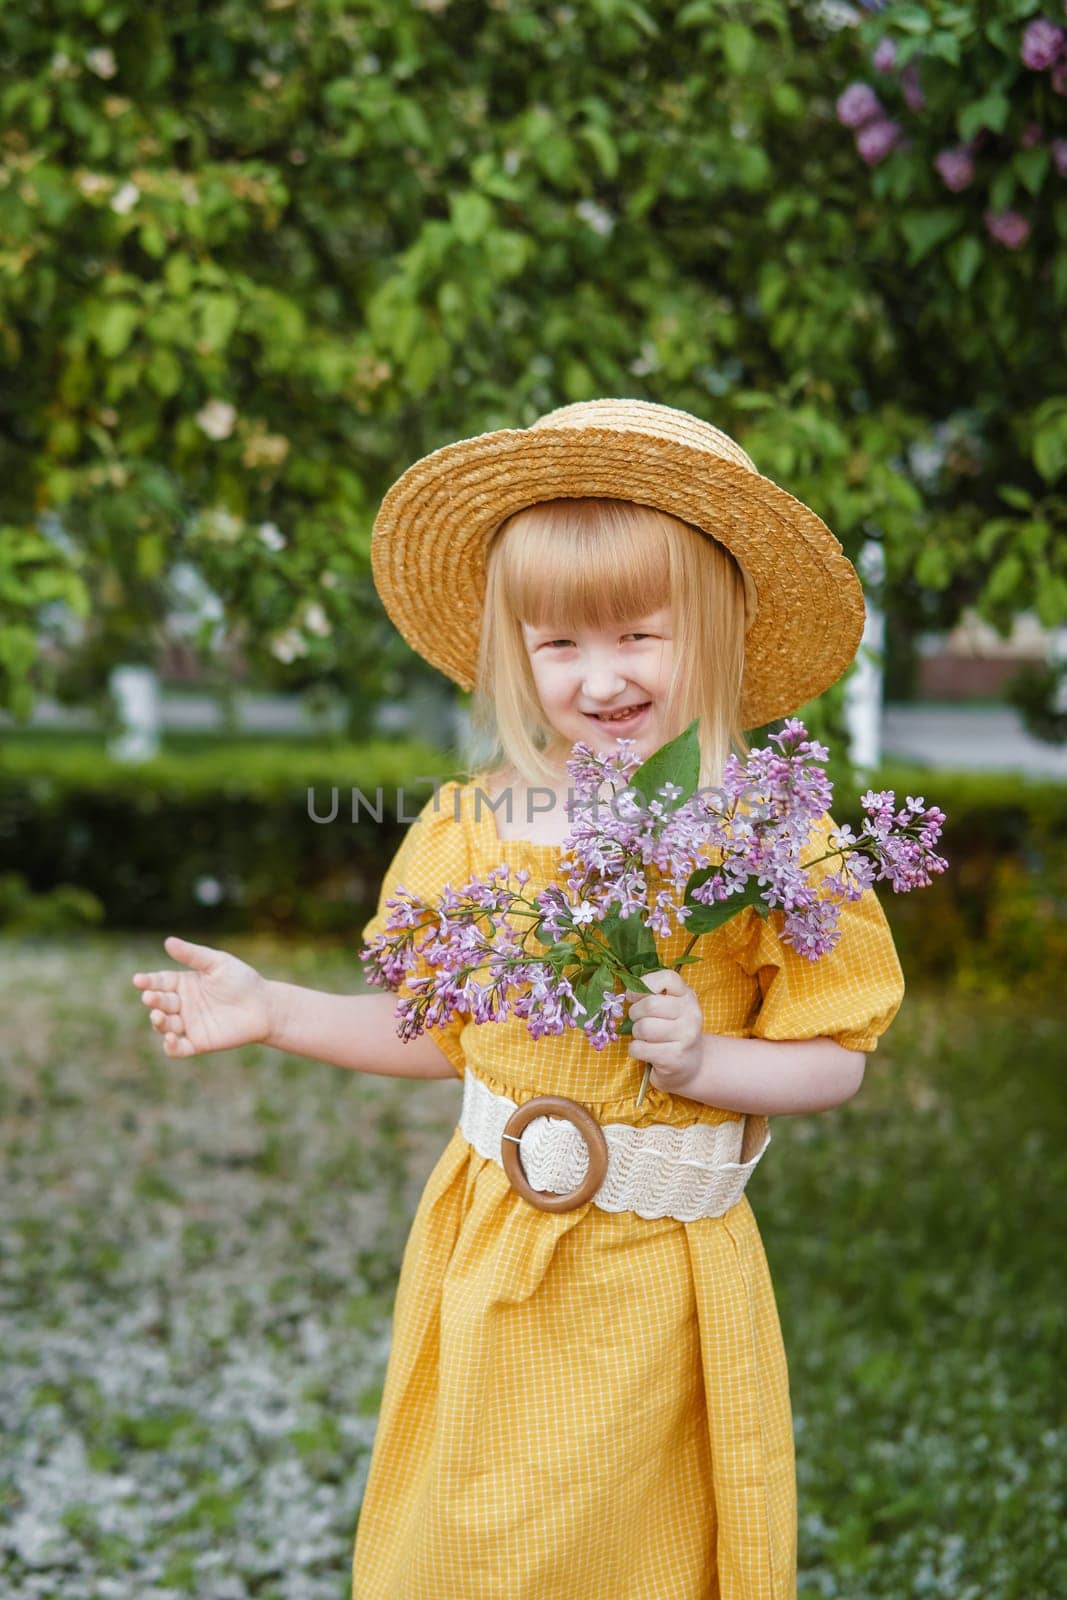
{"x": 590, "y": 1405}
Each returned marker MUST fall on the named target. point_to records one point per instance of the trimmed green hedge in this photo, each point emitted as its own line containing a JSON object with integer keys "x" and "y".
{"x": 212, "y": 840}
{"x": 219, "y": 840}
{"x": 995, "y": 920}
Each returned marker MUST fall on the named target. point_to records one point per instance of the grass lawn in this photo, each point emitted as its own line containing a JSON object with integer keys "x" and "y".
{"x": 198, "y": 1261}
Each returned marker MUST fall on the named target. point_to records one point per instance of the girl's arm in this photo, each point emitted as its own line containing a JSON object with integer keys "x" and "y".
{"x": 768, "y": 1077}
{"x": 357, "y": 1031}
{"x": 775, "y": 1077}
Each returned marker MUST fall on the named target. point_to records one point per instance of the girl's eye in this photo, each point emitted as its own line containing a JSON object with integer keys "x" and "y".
{"x": 550, "y": 644}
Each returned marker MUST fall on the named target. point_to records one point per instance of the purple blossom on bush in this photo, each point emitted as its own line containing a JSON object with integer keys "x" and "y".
{"x": 1031, "y": 135}
{"x": 1058, "y": 78}
{"x": 858, "y": 104}
{"x": 1058, "y": 149}
{"x": 884, "y": 56}
{"x": 636, "y": 872}
{"x": 1042, "y": 44}
{"x": 1009, "y": 228}
{"x": 909, "y": 83}
{"x": 875, "y": 140}
{"x": 955, "y": 167}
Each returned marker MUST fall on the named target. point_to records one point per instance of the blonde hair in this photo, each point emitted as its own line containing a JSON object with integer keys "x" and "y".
{"x": 593, "y": 562}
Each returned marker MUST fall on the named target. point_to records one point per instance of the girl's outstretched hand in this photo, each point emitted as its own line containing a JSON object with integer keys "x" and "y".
{"x": 222, "y": 1002}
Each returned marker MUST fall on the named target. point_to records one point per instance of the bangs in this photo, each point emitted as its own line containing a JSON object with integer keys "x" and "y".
{"x": 594, "y": 562}
{"x": 584, "y": 563}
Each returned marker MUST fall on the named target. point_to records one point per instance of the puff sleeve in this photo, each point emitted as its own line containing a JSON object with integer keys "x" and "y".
{"x": 433, "y": 852}
{"x": 850, "y": 995}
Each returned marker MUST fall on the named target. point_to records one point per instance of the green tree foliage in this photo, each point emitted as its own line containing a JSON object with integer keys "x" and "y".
{"x": 256, "y": 259}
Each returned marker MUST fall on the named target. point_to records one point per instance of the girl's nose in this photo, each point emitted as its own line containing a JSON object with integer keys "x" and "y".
{"x": 602, "y": 680}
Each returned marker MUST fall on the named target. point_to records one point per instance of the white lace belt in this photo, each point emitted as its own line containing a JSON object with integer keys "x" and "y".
{"x": 657, "y": 1171}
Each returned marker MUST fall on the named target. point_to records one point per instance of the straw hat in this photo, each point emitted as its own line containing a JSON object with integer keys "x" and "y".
{"x": 804, "y": 603}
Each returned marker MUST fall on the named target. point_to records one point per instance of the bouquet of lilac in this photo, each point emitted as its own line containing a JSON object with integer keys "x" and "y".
{"x": 564, "y": 957}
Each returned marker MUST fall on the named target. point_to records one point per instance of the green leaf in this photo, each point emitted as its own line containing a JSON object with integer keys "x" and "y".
{"x": 676, "y": 762}
{"x": 787, "y": 100}
{"x": 1049, "y": 448}
{"x": 451, "y": 301}
{"x": 1012, "y": 495}
{"x": 603, "y": 147}
{"x": 990, "y": 112}
{"x": 218, "y": 318}
{"x": 1002, "y": 189}
{"x": 1031, "y": 166}
{"x": 630, "y": 940}
{"x": 964, "y": 257}
{"x": 114, "y": 325}
{"x": 403, "y": 329}
{"x": 705, "y": 918}
{"x": 911, "y": 19}
{"x": 1050, "y": 601}
{"x": 926, "y": 229}
{"x": 508, "y": 253}
{"x": 471, "y": 215}
{"x": 429, "y": 358}
{"x": 945, "y": 46}
{"x": 1059, "y": 278}
{"x": 591, "y": 994}
{"x": 1005, "y": 578}
{"x": 641, "y": 18}
{"x": 555, "y": 155}
{"x": 178, "y": 273}
{"x": 152, "y": 240}
{"x": 933, "y": 569}
{"x": 151, "y": 554}
{"x": 697, "y": 13}
{"x": 991, "y": 533}
{"x": 738, "y": 46}
{"x": 1034, "y": 535}
{"x": 164, "y": 371}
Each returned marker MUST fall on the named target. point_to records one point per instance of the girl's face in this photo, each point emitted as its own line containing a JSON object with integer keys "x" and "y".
{"x": 583, "y": 677}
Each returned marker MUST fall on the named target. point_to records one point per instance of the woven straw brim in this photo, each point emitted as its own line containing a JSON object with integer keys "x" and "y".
{"x": 429, "y": 542}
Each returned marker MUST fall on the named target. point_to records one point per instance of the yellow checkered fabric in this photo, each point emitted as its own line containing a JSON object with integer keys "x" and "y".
{"x": 590, "y": 1405}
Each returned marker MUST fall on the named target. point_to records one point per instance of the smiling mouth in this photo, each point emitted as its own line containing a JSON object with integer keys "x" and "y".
{"x": 620, "y": 719}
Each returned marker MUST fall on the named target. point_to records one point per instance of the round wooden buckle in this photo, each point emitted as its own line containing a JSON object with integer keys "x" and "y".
{"x": 554, "y": 1105}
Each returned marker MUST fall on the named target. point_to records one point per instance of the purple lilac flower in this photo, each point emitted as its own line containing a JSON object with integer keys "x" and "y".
{"x": 955, "y": 168}
{"x": 1042, "y": 44}
{"x": 909, "y": 83}
{"x": 858, "y": 104}
{"x": 1058, "y": 148}
{"x": 1058, "y": 78}
{"x": 884, "y": 56}
{"x": 875, "y": 140}
{"x": 1008, "y": 228}
{"x": 1032, "y": 134}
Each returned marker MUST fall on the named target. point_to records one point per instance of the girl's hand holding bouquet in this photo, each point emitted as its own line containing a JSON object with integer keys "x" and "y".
{"x": 668, "y": 1030}
{"x": 585, "y": 951}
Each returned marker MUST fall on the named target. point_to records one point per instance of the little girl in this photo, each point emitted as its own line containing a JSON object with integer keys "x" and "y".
{"x": 587, "y": 1395}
